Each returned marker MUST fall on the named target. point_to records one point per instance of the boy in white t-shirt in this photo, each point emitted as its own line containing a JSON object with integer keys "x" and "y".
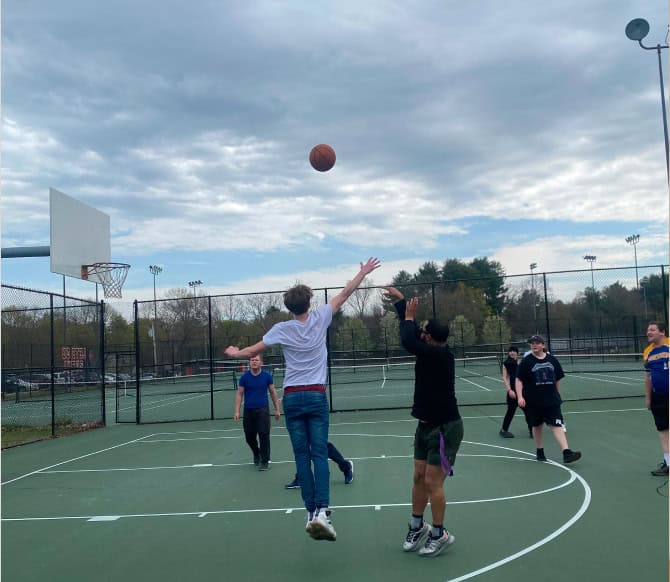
{"x": 303, "y": 340}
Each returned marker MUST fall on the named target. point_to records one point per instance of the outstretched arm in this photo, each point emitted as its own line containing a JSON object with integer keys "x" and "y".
{"x": 367, "y": 268}
{"x": 245, "y": 353}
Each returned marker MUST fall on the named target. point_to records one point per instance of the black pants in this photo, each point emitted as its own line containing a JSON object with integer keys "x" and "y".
{"x": 512, "y": 405}
{"x": 256, "y": 424}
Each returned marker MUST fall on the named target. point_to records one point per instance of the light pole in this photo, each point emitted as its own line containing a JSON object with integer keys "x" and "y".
{"x": 592, "y": 259}
{"x": 637, "y": 29}
{"x": 194, "y": 285}
{"x": 633, "y": 239}
{"x": 155, "y": 270}
{"x": 533, "y": 266}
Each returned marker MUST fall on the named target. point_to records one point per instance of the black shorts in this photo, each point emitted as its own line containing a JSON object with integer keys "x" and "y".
{"x": 659, "y": 408}
{"x": 548, "y": 414}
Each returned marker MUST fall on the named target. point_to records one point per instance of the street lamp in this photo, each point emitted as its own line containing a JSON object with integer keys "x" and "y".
{"x": 633, "y": 239}
{"x": 637, "y": 29}
{"x": 592, "y": 259}
{"x": 533, "y": 266}
{"x": 155, "y": 270}
{"x": 194, "y": 285}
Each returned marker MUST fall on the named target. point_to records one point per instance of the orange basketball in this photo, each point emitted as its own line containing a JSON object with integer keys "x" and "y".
{"x": 322, "y": 157}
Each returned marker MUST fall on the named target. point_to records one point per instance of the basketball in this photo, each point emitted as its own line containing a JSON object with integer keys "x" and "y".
{"x": 322, "y": 157}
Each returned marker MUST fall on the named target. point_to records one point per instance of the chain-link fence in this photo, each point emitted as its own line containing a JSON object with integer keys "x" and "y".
{"x": 594, "y": 320}
{"x": 52, "y": 369}
{"x": 163, "y": 359}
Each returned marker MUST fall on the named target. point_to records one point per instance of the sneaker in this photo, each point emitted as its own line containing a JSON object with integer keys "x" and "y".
{"x": 264, "y": 466}
{"x": 661, "y": 470}
{"x": 415, "y": 538}
{"x": 541, "y": 457}
{"x": 506, "y": 434}
{"x": 321, "y": 527}
{"x": 295, "y": 484}
{"x": 571, "y": 456}
{"x": 435, "y": 546}
{"x": 349, "y": 473}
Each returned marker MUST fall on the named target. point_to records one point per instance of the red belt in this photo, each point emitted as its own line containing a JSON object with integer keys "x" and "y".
{"x": 305, "y": 388}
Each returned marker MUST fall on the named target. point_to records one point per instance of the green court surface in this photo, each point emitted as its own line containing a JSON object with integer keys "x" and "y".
{"x": 182, "y": 501}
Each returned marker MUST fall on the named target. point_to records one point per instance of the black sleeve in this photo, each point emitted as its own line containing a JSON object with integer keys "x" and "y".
{"x": 410, "y": 340}
{"x": 400, "y": 306}
{"x": 558, "y": 369}
{"x": 522, "y": 371}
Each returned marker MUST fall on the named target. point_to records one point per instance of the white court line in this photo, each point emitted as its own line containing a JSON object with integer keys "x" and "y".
{"x": 602, "y": 378}
{"x": 70, "y": 460}
{"x": 478, "y": 385}
{"x": 538, "y": 544}
{"x": 287, "y": 510}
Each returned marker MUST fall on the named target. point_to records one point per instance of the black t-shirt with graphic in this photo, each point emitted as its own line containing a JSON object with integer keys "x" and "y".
{"x": 539, "y": 379}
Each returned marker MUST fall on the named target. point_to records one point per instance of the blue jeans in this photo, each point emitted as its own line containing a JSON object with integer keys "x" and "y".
{"x": 307, "y": 418}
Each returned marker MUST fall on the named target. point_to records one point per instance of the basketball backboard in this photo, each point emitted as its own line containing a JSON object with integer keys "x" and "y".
{"x": 80, "y": 235}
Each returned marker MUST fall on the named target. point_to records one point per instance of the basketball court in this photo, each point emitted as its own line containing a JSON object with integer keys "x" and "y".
{"x": 177, "y": 502}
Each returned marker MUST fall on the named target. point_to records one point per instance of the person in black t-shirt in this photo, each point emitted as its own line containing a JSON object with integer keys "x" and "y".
{"x": 510, "y": 366}
{"x": 537, "y": 384}
{"x": 439, "y": 431}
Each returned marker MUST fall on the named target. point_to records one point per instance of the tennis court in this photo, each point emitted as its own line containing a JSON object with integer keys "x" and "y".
{"x": 183, "y": 501}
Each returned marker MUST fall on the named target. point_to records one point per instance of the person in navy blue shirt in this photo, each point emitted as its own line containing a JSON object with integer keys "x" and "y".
{"x": 254, "y": 386}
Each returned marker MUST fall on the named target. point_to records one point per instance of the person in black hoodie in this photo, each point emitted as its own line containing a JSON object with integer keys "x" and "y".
{"x": 439, "y": 431}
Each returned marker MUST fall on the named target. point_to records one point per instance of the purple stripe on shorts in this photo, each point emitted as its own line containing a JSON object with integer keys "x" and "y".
{"x": 444, "y": 462}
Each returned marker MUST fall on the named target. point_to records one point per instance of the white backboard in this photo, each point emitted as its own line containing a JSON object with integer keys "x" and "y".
{"x": 80, "y": 235}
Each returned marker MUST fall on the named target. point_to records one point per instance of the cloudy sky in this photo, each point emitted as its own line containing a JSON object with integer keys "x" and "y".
{"x": 518, "y": 130}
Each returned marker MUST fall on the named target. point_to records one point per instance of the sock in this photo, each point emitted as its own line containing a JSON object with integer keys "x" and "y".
{"x": 436, "y": 531}
{"x": 416, "y": 522}
{"x": 665, "y": 456}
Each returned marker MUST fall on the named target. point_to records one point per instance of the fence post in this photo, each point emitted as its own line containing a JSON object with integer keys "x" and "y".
{"x": 546, "y": 311}
{"x": 211, "y": 357}
{"x": 432, "y": 292}
{"x": 138, "y": 362}
{"x": 52, "y": 344}
{"x": 101, "y": 350}
{"x": 328, "y": 360}
{"x": 665, "y": 295}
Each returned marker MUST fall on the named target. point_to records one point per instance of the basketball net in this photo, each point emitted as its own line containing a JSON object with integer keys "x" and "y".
{"x": 112, "y": 276}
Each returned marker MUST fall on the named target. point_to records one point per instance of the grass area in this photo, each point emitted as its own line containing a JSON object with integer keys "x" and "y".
{"x": 21, "y": 435}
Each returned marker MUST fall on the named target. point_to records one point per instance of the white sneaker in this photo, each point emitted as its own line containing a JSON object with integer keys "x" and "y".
{"x": 321, "y": 527}
{"x": 416, "y": 537}
{"x": 435, "y": 546}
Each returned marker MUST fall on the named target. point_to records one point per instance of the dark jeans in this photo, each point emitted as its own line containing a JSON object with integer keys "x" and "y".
{"x": 307, "y": 418}
{"x": 512, "y": 405}
{"x": 256, "y": 423}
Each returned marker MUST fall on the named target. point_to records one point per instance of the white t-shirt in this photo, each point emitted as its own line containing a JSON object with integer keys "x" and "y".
{"x": 304, "y": 345}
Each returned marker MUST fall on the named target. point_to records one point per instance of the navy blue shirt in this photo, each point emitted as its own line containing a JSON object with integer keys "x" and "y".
{"x": 256, "y": 388}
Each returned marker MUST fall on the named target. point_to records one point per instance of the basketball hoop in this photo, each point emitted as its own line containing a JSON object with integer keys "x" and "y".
{"x": 112, "y": 276}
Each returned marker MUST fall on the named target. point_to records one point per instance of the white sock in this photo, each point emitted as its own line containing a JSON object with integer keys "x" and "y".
{"x": 665, "y": 456}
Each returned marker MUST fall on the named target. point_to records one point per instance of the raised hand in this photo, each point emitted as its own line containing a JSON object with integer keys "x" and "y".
{"x": 410, "y": 311}
{"x": 393, "y": 293}
{"x": 372, "y": 264}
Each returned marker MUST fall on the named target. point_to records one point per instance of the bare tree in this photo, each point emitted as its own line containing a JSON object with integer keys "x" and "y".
{"x": 360, "y": 300}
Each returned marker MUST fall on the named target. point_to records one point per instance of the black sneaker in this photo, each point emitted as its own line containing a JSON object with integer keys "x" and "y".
{"x": 506, "y": 434}
{"x": 540, "y": 455}
{"x": 661, "y": 470}
{"x": 295, "y": 484}
{"x": 571, "y": 456}
{"x": 263, "y": 466}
